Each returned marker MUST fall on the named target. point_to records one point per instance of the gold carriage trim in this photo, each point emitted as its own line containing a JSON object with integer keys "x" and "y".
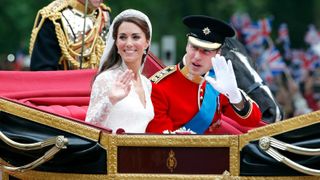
{"x": 157, "y": 77}
{"x": 94, "y": 43}
{"x": 171, "y": 161}
{"x": 50, "y": 120}
{"x": 172, "y": 142}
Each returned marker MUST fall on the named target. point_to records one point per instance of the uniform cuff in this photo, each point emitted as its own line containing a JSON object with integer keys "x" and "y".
{"x": 245, "y": 110}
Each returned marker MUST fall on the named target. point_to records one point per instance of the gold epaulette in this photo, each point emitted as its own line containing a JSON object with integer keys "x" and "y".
{"x": 105, "y": 7}
{"x": 157, "y": 77}
{"x": 54, "y": 7}
{"x": 52, "y": 10}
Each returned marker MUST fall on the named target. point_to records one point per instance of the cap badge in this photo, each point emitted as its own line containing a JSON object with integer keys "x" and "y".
{"x": 206, "y": 31}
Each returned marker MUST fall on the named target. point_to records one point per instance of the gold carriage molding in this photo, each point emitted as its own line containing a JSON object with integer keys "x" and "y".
{"x": 171, "y": 154}
{"x": 141, "y": 156}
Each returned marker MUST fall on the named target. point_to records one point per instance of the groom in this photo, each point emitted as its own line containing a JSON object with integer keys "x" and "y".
{"x": 193, "y": 94}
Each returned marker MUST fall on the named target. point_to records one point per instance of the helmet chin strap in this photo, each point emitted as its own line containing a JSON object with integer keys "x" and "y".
{"x": 83, "y": 32}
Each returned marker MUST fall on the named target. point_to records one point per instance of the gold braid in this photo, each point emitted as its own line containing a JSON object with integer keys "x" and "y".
{"x": 53, "y": 12}
{"x": 64, "y": 50}
{"x": 93, "y": 62}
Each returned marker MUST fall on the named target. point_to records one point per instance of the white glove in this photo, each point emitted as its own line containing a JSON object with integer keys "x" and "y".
{"x": 225, "y": 81}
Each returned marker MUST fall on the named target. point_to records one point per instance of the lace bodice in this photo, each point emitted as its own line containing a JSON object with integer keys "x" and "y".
{"x": 128, "y": 114}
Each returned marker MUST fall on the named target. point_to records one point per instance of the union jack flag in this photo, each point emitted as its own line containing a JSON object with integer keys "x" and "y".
{"x": 312, "y": 36}
{"x": 252, "y": 36}
{"x": 240, "y": 20}
{"x": 272, "y": 62}
{"x": 283, "y": 37}
{"x": 283, "y": 33}
{"x": 265, "y": 26}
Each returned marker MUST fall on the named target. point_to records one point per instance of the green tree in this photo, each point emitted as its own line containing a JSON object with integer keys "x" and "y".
{"x": 17, "y": 21}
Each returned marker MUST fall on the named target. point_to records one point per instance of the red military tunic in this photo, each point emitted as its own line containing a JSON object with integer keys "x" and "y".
{"x": 176, "y": 100}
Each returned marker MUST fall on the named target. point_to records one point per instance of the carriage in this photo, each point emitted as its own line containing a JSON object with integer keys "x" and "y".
{"x": 44, "y": 136}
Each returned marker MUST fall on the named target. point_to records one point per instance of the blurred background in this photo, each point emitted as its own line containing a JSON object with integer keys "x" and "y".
{"x": 282, "y": 38}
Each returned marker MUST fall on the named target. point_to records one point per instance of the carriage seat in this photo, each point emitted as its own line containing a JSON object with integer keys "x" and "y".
{"x": 64, "y": 93}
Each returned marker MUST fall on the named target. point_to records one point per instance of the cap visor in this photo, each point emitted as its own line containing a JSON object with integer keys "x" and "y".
{"x": 203, "y": 44}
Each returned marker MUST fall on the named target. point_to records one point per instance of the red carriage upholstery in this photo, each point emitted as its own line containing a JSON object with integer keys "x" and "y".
{"x": 65, "y": 93}
{"x": 152, "y": 65}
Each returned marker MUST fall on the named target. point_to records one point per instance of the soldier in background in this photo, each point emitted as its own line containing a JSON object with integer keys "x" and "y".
{"x": 57, "y": 37}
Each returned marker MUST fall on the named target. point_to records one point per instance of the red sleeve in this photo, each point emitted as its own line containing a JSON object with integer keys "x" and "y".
{"x": 161, "y": 120}
{"x": 250, "y": 118}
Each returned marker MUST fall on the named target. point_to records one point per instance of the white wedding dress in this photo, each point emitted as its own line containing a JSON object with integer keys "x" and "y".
{"x": 128, "y": 114}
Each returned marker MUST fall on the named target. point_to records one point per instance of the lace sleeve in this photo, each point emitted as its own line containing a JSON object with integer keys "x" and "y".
{"x": 100, "y": 105}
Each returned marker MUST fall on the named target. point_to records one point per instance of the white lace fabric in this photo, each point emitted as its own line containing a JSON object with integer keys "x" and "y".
{"x": 128, "y": 114}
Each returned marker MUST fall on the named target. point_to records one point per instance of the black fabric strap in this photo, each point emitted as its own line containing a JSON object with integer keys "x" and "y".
{"x": 253, "y": 87}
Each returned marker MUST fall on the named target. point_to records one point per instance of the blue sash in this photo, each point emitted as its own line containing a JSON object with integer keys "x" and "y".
{"x": 202, "y": 120}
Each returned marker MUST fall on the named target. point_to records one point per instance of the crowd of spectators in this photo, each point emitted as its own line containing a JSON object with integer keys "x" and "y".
{"x": 293, "y": 75}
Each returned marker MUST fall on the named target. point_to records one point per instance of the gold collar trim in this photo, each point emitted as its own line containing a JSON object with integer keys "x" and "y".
{"x": 185, "y": 71}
